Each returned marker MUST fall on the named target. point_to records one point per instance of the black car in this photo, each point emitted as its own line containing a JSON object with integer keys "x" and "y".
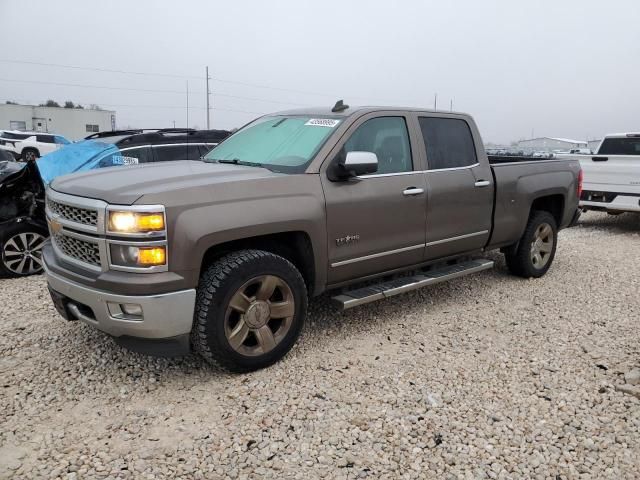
{"x": 23, "y": 229}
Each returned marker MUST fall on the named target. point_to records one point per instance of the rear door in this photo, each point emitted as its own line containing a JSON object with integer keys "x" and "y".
{"x": 376, "y": 222}
{"x": 460, "y": 186}
{"x": 46, "y": 144}
{"x": 616, "y": 167}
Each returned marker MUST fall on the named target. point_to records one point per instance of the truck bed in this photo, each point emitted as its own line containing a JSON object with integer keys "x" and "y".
{"x": 519, "y": 181}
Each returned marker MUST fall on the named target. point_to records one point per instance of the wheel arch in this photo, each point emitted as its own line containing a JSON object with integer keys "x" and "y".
{"x": 553, "y": 203}
{"x": 295, "y": 246}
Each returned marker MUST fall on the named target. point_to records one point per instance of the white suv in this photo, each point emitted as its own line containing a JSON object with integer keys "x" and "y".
{"x": 30, "y": 145}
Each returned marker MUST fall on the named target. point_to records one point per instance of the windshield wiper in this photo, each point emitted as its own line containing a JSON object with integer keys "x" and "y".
{"x": 237, "y": 161}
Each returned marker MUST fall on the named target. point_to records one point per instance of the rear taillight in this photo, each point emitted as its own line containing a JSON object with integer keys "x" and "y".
{"x": 580, "y": 177}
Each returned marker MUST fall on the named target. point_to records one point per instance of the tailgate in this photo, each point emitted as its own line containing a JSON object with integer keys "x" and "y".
{"x": 611, "y": 173}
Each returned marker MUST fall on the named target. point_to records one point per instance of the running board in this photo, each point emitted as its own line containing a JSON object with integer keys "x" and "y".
{"x": 400, "y": 285}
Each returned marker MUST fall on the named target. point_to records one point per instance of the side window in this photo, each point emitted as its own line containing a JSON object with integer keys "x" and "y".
{"x": 166, "y": 153}
{"x": 388, "y": 138}
{"x": 206, "y": 148}
{"x": 130, "y": 156}
{"x": 448, "y": 142}
{"x": 44, "y": 138}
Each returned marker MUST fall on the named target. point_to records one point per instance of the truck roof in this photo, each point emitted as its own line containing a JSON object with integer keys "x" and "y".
{"x": 622, "y": 135}
{"x": 351, "y": 110}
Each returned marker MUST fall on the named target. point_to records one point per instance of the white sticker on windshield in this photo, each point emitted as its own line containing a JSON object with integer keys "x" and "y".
{"x": 322, "y": 122}
{"x": 122, "y": 160}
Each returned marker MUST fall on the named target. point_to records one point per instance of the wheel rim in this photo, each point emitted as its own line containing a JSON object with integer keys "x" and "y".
{"x": 22, "y": 253}
{"x": 542, "y": 246}
{"x": 259, "y": 315}
{"x": 29, "y": 156}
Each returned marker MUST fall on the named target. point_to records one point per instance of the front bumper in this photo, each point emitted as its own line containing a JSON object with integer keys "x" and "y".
{"x": 621, "y": 203}
{"x": 164, "y": 316}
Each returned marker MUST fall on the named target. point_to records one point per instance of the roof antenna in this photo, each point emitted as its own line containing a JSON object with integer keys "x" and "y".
{"x": 339, "y": 106}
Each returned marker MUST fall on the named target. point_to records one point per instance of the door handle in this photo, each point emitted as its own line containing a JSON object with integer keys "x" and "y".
{"x": 482, "y": 183}
{"x": 412, "y": 191}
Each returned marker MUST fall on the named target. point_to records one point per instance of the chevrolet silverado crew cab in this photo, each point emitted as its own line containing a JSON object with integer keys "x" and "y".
{"x": 612, "y": 175}
{"x": 221, "y": 255}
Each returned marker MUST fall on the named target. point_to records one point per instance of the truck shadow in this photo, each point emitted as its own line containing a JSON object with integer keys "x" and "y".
{"x": 325, "y": 324}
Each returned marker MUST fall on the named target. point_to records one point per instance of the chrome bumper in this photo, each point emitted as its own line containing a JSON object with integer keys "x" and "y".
{"x": 163, "y": 316}
{"x": 622, "y": 203}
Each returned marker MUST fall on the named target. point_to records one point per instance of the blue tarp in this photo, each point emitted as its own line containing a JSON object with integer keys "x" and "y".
{"x": 78, "y": 157}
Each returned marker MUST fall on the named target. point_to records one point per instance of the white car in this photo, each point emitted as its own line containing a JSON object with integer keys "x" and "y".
{"x": 30, "y": 145}
{"x": 612, "y": 175}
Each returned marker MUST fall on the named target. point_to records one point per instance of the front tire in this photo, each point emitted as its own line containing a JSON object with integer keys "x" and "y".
{"x": 21, "y": 249}
{"x": 537, "y": 247}
{"x": 250, "y": 309}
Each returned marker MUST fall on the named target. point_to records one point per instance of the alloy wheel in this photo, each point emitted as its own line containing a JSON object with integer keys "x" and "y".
{"x": 542, "y": 245}
{"x": 22, "y": 253}
{"x": 259, "y": 315}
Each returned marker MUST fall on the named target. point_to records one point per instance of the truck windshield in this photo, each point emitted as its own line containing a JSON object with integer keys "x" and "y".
{"x": 280, "y": 143}
{"x": 620, "y": 146}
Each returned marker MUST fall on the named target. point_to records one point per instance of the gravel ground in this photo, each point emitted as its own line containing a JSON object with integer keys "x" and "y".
{"x": 489, "y": 376}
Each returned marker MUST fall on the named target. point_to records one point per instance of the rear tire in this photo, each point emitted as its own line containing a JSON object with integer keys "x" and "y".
{"x": 21, "y": 249}
{"x": 250, "y": 310}
{"x": 537, "y": 247}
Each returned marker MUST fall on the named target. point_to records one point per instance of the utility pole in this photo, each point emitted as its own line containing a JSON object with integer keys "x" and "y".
{"x": 207, "y": 78}
{"x": 187, "y": 103}
{"x": 174, "y": 124}
{"x": 451, "y": 105}
{"x": 435, "y": 102}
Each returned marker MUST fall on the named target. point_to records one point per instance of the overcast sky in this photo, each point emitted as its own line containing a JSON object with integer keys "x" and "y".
{"x": 565, "y": 68}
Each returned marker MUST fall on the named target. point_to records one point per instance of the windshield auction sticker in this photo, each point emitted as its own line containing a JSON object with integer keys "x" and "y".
{"x": 322, "y": 122}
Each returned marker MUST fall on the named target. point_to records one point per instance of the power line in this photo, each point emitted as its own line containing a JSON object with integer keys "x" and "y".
{"x": 107, "y": 70}
{"x": 181, "y": 92}
{"x": 169, "y": 75}
{"x": 180, "y": 107}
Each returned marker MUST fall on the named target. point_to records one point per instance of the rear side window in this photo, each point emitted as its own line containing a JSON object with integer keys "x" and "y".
{"x": 448, "y": 142}
{"x": 44, "y": 138}
{"x": 166, "y": 153}
{"x": 128, "y": 156}
{"x": 620, "y": 146}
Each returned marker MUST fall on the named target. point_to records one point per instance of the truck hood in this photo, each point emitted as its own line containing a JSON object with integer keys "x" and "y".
{"x": 125, "y": 185}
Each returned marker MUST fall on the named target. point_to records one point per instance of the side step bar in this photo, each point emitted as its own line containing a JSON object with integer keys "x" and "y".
{"x": 371, "y": 293}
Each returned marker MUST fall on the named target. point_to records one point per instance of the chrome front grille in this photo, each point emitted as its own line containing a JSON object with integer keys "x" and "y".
{"x": 84, "y": 216}
{"x": 82, "y": 250}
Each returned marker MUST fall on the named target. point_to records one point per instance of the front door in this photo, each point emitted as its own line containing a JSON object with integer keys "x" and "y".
{"x": 461, "y": 188}
{"x": 376, "y": 222}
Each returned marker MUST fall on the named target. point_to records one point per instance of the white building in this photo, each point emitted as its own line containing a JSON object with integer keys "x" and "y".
{"x": 73, "y": 123}
{"x": 550, "y": 144}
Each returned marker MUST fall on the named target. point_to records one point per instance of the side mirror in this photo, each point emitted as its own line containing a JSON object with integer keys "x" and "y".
{"x": 355, "y": 164}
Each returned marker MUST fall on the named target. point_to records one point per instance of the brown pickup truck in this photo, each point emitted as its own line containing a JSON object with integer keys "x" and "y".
{"x": 221, "y": 255}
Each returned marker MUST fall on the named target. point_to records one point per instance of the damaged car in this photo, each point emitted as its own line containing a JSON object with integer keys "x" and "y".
{"x": 23, "y": 228}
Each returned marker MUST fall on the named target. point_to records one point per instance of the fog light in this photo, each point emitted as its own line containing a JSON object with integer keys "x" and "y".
{"x": 131, "y": 309}
{"x": 133, "y": 256}
{"x": 151, "y": 256}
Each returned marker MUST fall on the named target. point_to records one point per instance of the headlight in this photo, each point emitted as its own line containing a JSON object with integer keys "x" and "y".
{"x": 135, "y": 222}
{"x": 138, "y": 257}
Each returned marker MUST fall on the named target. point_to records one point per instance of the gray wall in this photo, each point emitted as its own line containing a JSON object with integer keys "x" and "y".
{"x": 69, "y": 122}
